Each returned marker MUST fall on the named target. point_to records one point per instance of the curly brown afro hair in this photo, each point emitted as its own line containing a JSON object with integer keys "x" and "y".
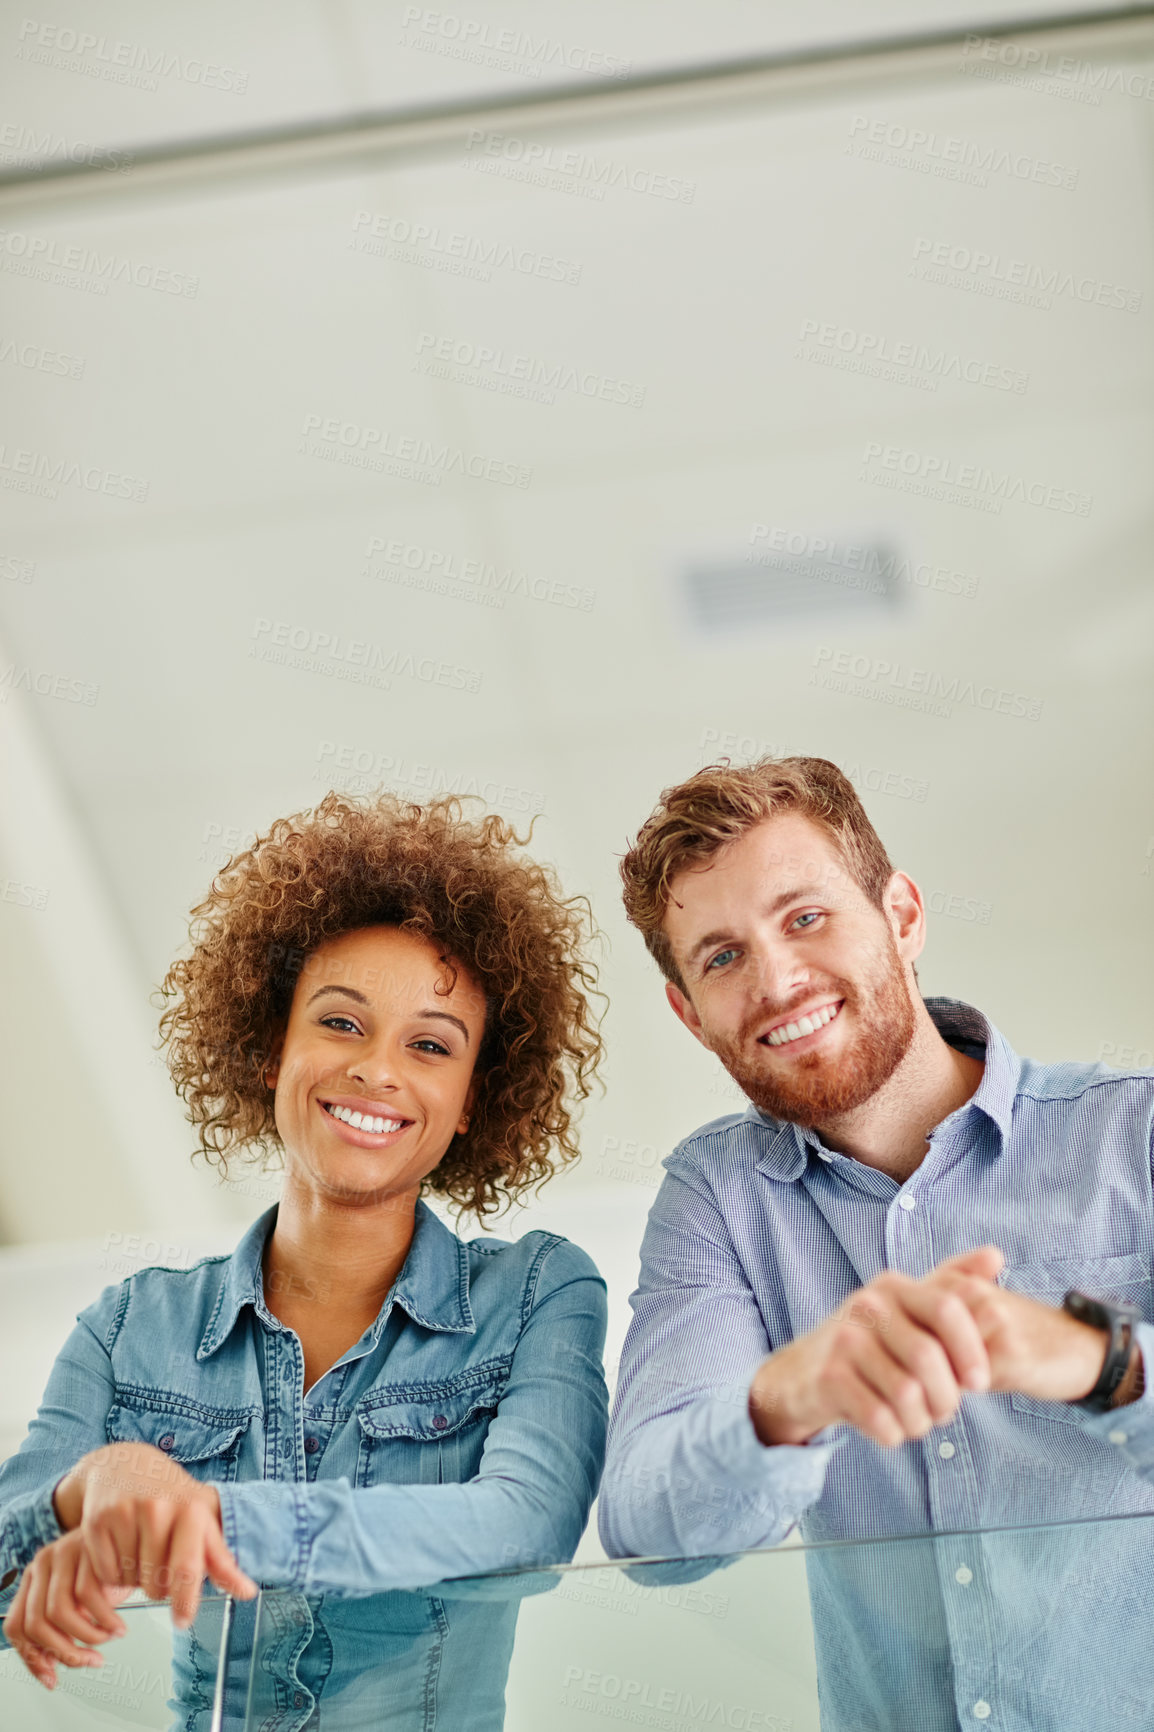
{"x": 382, "y": 861}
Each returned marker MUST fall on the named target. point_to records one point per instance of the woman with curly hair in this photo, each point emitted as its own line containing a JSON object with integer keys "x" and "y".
{"x": 355, "y": 1401}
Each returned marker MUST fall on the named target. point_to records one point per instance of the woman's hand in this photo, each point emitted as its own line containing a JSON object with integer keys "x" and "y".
{"x": 60, "y": 1604}
{"x": 144, "y": 1522}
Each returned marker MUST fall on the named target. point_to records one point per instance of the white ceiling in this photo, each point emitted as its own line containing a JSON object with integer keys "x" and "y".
{"x": 163, "y": 73}
{"x": 192, "y": 742}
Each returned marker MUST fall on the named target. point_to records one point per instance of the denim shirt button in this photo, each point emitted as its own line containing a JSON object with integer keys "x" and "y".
{"x": 439, "y": 1422}
{"x": 312, "y": 1444}
{"x": 167, "y": 1442}
{"x": 298, "y": 1700}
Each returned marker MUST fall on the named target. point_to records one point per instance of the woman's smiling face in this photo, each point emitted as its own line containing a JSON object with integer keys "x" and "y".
{"x": 374, "y": 1076}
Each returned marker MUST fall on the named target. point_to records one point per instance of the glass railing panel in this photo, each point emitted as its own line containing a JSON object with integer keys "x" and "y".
{"x": 153, "y": 1679}
{"x": 1039, "y": 1629}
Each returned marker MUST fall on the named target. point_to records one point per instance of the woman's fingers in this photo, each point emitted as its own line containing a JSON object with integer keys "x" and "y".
{"x": 167, "y": 1546}
{"x": 186, "y": 1566}
{"x": 155, "y": 1523}
{"x": 110, "y": 1541}
{"x": 40, "y": 1664}
{"x": 222, "y": 1568}
{"x": 94, "y": 1598}
{"x": 40, "y": 1626}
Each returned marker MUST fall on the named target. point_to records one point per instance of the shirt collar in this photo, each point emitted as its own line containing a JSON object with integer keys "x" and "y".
{"x": 787, "y": 1146}
{"x": 432, "y": 1288}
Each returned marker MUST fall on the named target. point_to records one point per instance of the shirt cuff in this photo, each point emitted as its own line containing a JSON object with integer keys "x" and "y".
{"x": 29, "y": 1523}
{"x": 1130, "y": 1428}
{"x": 265, "y": 1527}
{"x": 785, "y": 1476}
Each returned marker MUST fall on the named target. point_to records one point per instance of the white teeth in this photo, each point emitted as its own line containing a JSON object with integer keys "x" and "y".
{"x": 364, "y": 1121}
{"x": 804, "y": 1025}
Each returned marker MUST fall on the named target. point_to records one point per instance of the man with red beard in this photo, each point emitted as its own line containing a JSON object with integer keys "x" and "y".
{"x": 908, "y": 1291}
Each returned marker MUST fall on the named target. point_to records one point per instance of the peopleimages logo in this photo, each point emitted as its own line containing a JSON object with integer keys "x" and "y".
{"x": 496, "y": 369}
{"x": 36, "y": 358}
{"x": 511, "y": 50}
{"x": 905, "y": 362}
{"x": 39, "y": 473}
{"x": 964, "y": 483}
{"x": 877, "y": 569}
{"x": 568, "y": 170}
{"x": 352, "y": 659}
{"x": 444, "y": 572}
{"x": 29, "y": 148}
{"x": 950, "y": 157}
{"x": 82, "y": 267}
{"x": 17, "y": 678}
{"x": 913, "y": 688}
{"x": 71, "y": 50}
{"x": 1093, "y": 77}
{"x": 621, "y": 1698}
{"x": 984, "y": 273}
{"x": 388, "y": 452}
{"x": 453, "y": 250}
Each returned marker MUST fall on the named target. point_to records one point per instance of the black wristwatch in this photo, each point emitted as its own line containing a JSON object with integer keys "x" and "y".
{"x": 1118, "y": 1320}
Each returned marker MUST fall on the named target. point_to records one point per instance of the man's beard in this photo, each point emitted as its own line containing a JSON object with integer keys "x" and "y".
{"x": 816, "y": 1089}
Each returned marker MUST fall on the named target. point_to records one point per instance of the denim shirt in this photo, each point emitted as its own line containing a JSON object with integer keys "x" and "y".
{"x": 463, "y": 1432}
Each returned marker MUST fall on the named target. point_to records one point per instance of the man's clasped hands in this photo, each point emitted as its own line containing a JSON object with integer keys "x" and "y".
{"x": 893, "y": 1362}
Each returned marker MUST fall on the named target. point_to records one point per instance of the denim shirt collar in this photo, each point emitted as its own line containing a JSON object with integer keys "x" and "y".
{"x": 432, "y": 1288}
{"x": 959, "y": 1024}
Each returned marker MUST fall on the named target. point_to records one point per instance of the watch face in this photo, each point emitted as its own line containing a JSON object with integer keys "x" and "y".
{"x": 1087, "y": 1310}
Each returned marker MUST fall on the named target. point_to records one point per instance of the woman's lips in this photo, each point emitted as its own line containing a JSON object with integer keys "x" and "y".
{"x": 358, "y": 1136}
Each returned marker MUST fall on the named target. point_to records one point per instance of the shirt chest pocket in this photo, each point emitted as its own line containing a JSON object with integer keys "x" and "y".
{"x": 428, "y": 1434}
{"x": 205, "y": 1442}
{"x": 1125, "y": 1278}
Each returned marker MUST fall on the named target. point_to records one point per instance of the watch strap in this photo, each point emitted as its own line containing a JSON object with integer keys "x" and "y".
{"x": 1118, "y": 1320}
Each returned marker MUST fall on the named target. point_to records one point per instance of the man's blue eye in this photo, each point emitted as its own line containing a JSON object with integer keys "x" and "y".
{"x": 720, "y": 957}
{"x": 806, "y": 917}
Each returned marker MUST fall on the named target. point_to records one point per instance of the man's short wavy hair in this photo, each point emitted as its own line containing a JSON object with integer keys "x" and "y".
{"x": 380, "y": 861}
{"x": 696, "y": 819}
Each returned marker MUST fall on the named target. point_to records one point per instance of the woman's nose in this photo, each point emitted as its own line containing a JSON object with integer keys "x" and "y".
{"x": 374, "y": 1065}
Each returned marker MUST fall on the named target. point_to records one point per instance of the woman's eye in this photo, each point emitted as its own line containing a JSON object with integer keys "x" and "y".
{"x": 432, "y": 1046}
{"x": 344, "y": 1021}
{"x": 720, "y": 958}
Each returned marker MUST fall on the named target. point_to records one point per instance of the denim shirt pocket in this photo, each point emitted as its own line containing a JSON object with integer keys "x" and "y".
{"x": 206, "y": 1441}
{"x": 429, "y": 1433}
{"x": 1125, "y": 1278}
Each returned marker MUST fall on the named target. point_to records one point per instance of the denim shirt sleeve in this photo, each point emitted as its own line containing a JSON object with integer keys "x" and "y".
{"x": 527, "y": 1505}
{"x": 70, "y": 1422}
{"x": 687, "y": 1474}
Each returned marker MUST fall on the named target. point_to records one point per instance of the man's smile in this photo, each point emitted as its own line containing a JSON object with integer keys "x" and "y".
{"x": 801, "y": 1030}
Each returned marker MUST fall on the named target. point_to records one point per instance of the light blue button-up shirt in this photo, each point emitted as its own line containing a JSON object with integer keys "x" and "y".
{"x": 758, "y": 1234}
{"x": 463, "y": 1432}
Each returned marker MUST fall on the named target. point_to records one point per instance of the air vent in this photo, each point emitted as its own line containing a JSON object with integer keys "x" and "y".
{"x": 786, "y": 577}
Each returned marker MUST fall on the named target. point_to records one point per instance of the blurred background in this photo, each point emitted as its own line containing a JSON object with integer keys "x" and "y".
{"x": 539, "y": 402}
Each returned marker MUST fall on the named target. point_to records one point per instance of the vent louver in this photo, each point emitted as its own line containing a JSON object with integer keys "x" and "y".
{"x": 825, "y": 576}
